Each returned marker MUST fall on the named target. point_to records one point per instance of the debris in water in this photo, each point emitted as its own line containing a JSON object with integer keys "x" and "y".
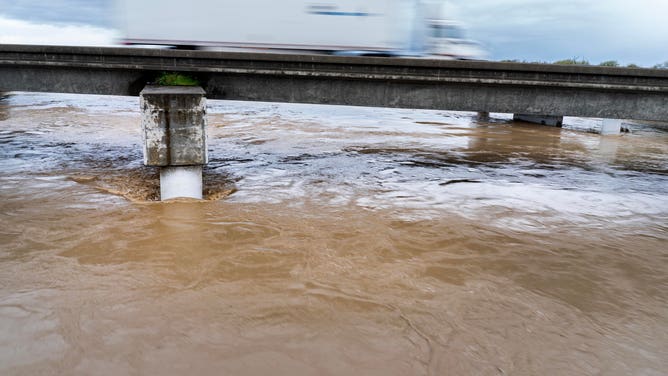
{"x": 454, "y": 181}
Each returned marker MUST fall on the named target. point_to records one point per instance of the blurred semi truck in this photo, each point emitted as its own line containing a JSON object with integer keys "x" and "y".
{"x": 344, "y": 27}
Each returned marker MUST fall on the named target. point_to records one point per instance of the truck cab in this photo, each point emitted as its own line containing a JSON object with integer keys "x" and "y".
{"x": 447, "y": 39}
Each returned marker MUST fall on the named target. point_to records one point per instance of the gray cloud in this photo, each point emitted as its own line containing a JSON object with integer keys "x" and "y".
{"x": 548, "y": 30}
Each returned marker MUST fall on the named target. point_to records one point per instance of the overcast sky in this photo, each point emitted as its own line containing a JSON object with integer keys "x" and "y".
{"x": 629, "y": 31}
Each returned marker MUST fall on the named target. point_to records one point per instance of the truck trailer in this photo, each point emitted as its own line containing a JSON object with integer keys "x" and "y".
{"x": 343, "y": 27}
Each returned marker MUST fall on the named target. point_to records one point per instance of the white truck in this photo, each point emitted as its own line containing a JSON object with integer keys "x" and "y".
{"x": 344, "y": 27}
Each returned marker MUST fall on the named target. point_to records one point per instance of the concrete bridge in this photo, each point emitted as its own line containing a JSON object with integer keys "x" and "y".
{"x": 174, "y": 121}
{"x": 533, "y": 89}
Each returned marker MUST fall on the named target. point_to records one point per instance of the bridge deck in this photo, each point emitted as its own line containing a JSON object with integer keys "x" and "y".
{"x": 541, "y": 89}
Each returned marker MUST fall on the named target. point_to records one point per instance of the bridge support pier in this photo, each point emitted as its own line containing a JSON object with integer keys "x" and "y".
{"x": 553, "y": 121}
{"x": 611, "y": 126}
{"x": 181, "y": 181}
{"x": 174, "y": 137}
{"x": 482, "y": 116}
{"x": 608, "y": 126}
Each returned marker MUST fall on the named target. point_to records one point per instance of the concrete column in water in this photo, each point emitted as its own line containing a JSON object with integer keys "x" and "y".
{"x": 482, "y": 116}
{"x": 611, "y": 126}
{"x": 174, "y": 137}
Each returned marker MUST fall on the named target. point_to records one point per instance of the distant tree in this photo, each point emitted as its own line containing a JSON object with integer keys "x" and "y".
{"x": 609, "y": 63}
{"x": 633, "y": 66}
{"x": 523, "y": 61}
{"x": 573, "y": 61}
{"x": 661, "y": 66}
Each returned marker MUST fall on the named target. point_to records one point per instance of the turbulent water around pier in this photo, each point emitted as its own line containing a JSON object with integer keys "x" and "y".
{"x": 332, "y": 240}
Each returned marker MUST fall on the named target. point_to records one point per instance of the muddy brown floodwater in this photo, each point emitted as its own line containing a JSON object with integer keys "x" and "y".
{"x": 333, "y": 241}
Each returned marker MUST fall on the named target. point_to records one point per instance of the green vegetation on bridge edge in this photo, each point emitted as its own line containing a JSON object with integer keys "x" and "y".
{"x": 578, "y": 61}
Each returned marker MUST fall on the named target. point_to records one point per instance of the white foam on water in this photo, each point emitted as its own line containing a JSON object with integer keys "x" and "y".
{"x": 518, "y": 206}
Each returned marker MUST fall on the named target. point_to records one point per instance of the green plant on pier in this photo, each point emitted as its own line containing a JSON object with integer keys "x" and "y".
{"x": 176, "y": 79}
